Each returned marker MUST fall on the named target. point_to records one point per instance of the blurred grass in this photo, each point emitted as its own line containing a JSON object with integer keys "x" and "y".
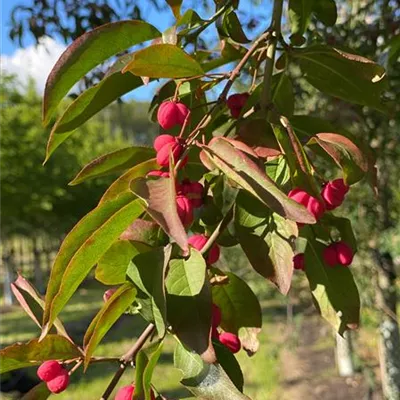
{"x": 260, "y": 371}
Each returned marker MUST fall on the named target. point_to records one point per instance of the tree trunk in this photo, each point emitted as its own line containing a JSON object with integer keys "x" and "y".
{"x": 389, "y": 341}
{"x": 344, "y": 354}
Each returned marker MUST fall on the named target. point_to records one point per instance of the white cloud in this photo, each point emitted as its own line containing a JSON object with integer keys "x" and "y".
{"x": 33, "y": 62}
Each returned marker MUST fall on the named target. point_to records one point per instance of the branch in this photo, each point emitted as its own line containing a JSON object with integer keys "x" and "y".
{"x": 128, "y": 357}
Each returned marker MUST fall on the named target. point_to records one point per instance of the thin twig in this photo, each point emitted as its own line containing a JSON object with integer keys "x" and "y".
{"x": 128, "y": 357}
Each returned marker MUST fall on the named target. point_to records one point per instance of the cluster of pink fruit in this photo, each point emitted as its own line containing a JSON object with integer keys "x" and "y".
{"x": 127, "y": 392}
{"x": 228, "y": 339}
{"x": 332, "y": 194}
{"x": 55, "y": 376}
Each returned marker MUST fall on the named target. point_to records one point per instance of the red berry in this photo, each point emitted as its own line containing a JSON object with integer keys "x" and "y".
{"x": 125, "y": 393}
{"x": 194, "y": 191}
{"x": 162, "y": 140}
{"x": 330, "y": 255}
{"x": 163, "y": 153}
{"x": 159, "y": 173}
{"x": 108, "y": 293}
{"x": 49, "y": 370}
{"x": 216, "y": 316}
{"x": 235, "y": 103}
{"x": 185, "y": 209}
{"x": 334, "y": 193}
{"x": 298, "y": 262}
{"x": 59, "y": 383}
{"x": 231, "y": 341}
{"x": 313, "y": 205}
{"x": 198, "y": 241}
{"x": 171, "y": 114}
{"x": 344, "y": 253}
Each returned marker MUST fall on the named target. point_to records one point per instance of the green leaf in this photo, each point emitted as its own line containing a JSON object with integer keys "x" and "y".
{"x": 224, "y": 194}
{"x": 121, "y": 185}
{"x": 88, "y": 51}
{"x": 239, "y": 306}
{"x": 245, "y": 172}
{"x": 144, "y": 233}
{"x": 112, "y": 309}
{"x": 306, "y": 126}
{"x": 334, "y": 290}
{"x": 343, "y": 225}
{"x": 175, "y": 6}
{"x": 146, "y": 361}
{"x": 114, "y": 85}
{"x": 230, "y": 365}
{"x": 299, "y": 17}
{"x": 147, "y": 272}
{"x": 190, "y": 318}
{"x": 116, "y": 161}
{"x": 33, "y": 304}
{"x": 112, "y": 266}
{"x": 232, "y": 28}
{"x": 268, "y": 242}
{"x": 325, "y": 11}
{"x": 346, "y": 155}
{"x": 163, "y": 61}
{"x": 282, "y": 94}
{"x": 278, "y": 170}
{"x": 394, "y": 51}
{"x": 205, "y": 381}
{"x": 160, "y": 198}
{"x": 83, "y": 247}
{"x": 52, "y": 347}
{"x": 186, "y": 277}
{"x": 347, "y": 76}
{"x": 38, "y": 392}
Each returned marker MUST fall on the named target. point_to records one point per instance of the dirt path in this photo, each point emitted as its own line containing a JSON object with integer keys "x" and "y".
{"x": 308, "y": 370}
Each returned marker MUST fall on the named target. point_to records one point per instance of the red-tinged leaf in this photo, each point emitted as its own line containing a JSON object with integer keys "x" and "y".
{"x": 147, "y": 271}
{"x": 83, "y": 247}
{"x": 121, "y": 185}
{"x": 347, "y": 76}
{"x": 88, "y": 51}
{"x": 267, "y": 240}
{"x": 258, "y": 134}
{"x": 190, "y": 316}
{"x": 160, "y": 198}
{"x": 38, "y": 392}
{"x": 163, "y": 61}
{"x": 144, "y": 232}
{"x": 33, "y": 304}
{"x": 112, "y": 266}
{"x": 245, "y": 172}
{"x": 205, "y": 381}
{"x": 112, "y": 309}
{"x": 114, "y": 85}
{"x": 175, "y": 7}
{"x": 116, "y": 161}
{"x": 239, "y": 306}
{"x": 334, "y": 291}
{"x": 346, "y": 154}
{"x": 52, "y": 347}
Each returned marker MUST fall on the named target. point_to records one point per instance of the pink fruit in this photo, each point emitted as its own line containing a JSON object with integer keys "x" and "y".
{"x": 216, "y": 315}
{"x": 298, "y": 262}
{"x": 313, "y": 205}
{"x": 59, "y": 383}
{"x": 125, "y": 393}
{"x": 198, "y": 241}
{"x": 185, "y": 209}
{"x": 162, "y": 140}
{"x": 163, "y": 154}
{"x": 334, "y": 193}
{"x": 344, "y": 253}
{"x": 194, "y": 191}
{"x": 231, "y": 341}
{"x": 330, "y": 255}
{"x": 235, "y": 103}
{"x": 171, "y": 114}
{"x": 159, "y": 173}
{"x": 49, "y": 370}
{"x": 108, "y": 293}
